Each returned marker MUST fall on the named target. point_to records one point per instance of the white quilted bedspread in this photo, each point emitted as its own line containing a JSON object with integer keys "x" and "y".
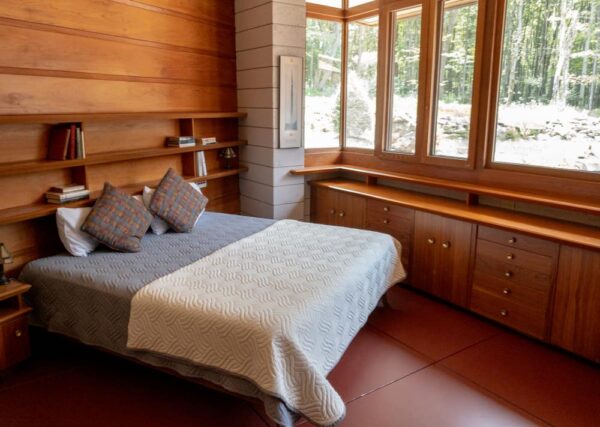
{"x": 279, "y": 308}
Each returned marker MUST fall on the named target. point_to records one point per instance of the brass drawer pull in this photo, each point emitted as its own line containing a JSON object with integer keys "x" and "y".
{"x": 386, "y": 209}
{"x": 386, "y": 221}
{"x": 342, "y": 213}
{"x": 503, "y": 313}
{"x": 512, "y": 240}
{"x": 431, "y": 240}
{"x": 446, "y": 245}
{"x": 510, "y": 256}
{"x": 508, "y": 274}
{"x": 18, "y": 333}
{"x": 506, "y": 291}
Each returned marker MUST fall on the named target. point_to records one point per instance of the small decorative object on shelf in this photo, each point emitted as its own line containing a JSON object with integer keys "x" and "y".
{"x": 67, "y": 193}
{"x": 181, "y": 141}
{"x": 228, "y": 154}
{"x": 208, "y": 141}
{"x": 5, "y": 258}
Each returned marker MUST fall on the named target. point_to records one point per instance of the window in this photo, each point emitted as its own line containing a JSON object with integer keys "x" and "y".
{"x": 405, "y": 81}
{"x": 361, "y": 83}
{"x": 330, "y": 3}
{"x": 549, "y": 96}
{"x": 352, "y": 3}
{"x": 322, "y": 83}
{"x": 456, "y": 61}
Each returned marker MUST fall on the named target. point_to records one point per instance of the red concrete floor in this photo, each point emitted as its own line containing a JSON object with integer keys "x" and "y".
{"x": 421, "y": 364}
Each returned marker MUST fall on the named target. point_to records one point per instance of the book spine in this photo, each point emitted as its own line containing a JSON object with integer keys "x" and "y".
{"x": 78, "y": 151}
{"x": 73, "y": 142}
{"x": 82, "y": 144}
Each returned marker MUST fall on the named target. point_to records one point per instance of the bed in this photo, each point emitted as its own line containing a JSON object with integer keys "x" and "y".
{"x": 261, "y": 308}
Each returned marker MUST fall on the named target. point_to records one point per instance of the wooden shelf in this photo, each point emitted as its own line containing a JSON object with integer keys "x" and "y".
{"x": 562, "y": 231}
{"x": 475, "y": 189}
{"x": 74, "y": 118}
{"x": 39, "y": 210}
{"x": 112, "y": 157}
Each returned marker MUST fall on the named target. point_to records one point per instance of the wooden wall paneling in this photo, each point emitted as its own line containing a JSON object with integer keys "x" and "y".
{"x": 22, "y": 94}
{"x": 127, "y": 21}
{"x": 24, "y": 189}
{"x": 222, "y": 129}
{"x": 218, "y": 11}
{"x": 576, "y": 317}
{"x": 132, "y": 172}
{"x": 75, "y": 55}
{"x": 22, "y": 142}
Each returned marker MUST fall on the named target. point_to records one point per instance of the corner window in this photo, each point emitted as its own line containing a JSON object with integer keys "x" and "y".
{"x": 361, "y": 83}
{"x": 322, "y": 83}
{"x": 402, "y": 130}
{"x": 549, "y": 96}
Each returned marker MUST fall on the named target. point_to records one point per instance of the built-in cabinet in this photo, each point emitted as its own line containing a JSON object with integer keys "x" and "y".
{"x": 441, "y": 257}
{"x": 546, "y": 288}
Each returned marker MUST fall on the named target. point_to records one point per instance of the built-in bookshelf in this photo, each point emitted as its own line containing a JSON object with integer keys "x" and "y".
{"x": 126, "y": 149}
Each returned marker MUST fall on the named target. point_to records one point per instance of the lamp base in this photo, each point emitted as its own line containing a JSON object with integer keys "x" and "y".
{"x": 3, "y": 279}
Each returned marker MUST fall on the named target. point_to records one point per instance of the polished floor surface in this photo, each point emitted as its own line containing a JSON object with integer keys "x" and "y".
{"x": 421, "y": 364}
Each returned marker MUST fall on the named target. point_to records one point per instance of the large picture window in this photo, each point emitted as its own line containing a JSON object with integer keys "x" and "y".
{"x": 549, "y": 97}
{"x": 322, "y": 83}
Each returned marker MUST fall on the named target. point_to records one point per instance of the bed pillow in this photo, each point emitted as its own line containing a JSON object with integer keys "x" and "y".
{"x": 158, "y": 226}
{"x": 75, "y": 241}
{"x": 118, "y": 220}
{"x": 177, "y": 203}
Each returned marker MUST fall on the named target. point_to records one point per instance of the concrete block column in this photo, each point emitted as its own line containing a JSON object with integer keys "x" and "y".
{"x": 265, "y": 30}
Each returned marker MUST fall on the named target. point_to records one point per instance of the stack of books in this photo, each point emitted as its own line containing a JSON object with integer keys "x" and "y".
{"x": 201, "y": 168}
{"x": 67, "y": 193}
{"x": 66, "y": 142}
{"x": 181, "y": 141}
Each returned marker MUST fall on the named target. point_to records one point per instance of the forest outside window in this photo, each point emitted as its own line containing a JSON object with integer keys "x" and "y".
{"x": 549, "y": 87}
{"x": 322, "y": 83}
{"x": 402, "y": 129}
{"x": 455, "y": 70}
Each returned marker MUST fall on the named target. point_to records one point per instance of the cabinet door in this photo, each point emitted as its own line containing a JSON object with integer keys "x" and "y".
{"x": 323, "y": 206}
{"x": 351, "y": 210}
{"x": 441, "y": 259}
{"x": 576, "y": 319}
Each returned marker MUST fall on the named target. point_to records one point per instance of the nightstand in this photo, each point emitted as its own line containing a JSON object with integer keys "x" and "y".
{"x": 14, "y": 328}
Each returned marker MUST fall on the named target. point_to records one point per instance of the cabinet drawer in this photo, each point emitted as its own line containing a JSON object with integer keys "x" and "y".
{"x": 509, "y": 313}
{"x": 511, "y": 274}
{"x": 14, "y": 342}
{"x": 389, "y": 224}
{"x": 513, "y": 257}
{"x": 378, "y": 207}
{"x": 519, "y": 241}
{"x": 527, "y": 295}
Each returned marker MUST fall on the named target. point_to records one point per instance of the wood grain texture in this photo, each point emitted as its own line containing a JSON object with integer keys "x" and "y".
{"x": 576, "y": 318}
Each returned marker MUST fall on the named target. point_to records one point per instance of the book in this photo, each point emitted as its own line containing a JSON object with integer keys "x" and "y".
{"x": 59, "y": 201}
{"x": 67, "y": 196}
{"x": 67, "y": 188}
{"x": 181, "y": 144}
{"x": 58, "y": 143}
{"x": 208, "y": 141}
{"x": 82, "y": 144}
{"x": 201, "y": 164}
{"x": 72, "y": 141}
{"x": 78, "y": 151}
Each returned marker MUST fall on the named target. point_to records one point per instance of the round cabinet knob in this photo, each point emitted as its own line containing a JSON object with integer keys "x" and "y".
{"x": 508, "y": 274}
{"x": 332, "y": 211}
{"x": 431, "y": 240}
{"x": 506, "y": 291}
{"x": 512, "y": 240}
{"x": 446, "y": 245}
{"x": 342, "y": 213}
{"x": 386, "y": 221}
{"x": 503, "y": 313}
{"x": 386, "y": 208}
{"x": 510, "y": 256}
{"x": 18, "y": 333}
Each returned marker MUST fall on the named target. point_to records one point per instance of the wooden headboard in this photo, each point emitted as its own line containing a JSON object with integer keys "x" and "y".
{"x": 159, "y": 68}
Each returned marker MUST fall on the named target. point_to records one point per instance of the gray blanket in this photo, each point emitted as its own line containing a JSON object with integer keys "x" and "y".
{"x": 89, "y": 298}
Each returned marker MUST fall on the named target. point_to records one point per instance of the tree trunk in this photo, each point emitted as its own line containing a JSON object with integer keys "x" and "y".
{"x": 568, "y": 19}
{"x": 516, "y": 52}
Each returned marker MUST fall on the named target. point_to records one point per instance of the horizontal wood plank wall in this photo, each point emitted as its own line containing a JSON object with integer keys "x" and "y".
{"x": 111, "y": 56}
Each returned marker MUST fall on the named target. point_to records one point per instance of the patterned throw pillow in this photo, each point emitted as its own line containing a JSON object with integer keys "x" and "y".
{"x": 177, "y": 203}
{"x": 118, "y": 220}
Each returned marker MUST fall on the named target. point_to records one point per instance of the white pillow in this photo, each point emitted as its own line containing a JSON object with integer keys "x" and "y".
{"x": 159, "y": 226}
{"x": 69, "y": 222}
